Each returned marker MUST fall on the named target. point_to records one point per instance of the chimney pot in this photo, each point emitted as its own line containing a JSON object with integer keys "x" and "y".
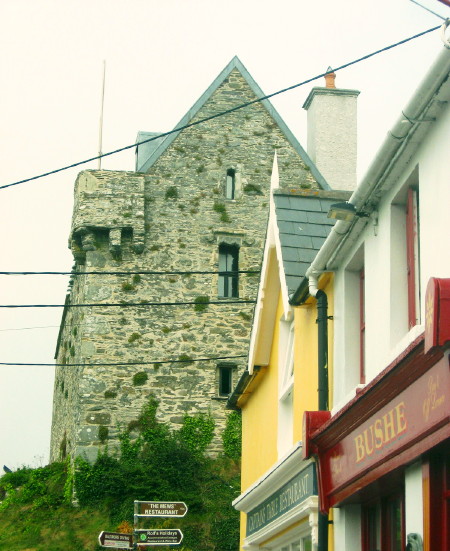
{"x": 330, "y": 77}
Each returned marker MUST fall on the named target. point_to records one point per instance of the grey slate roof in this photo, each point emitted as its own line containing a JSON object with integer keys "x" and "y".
{"x": 303, "y": 227}
{"x": 164, "y": 142}
{"x": 145, "y": 150}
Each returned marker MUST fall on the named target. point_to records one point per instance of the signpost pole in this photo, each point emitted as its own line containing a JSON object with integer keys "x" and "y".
{"x": 136, "y": 510}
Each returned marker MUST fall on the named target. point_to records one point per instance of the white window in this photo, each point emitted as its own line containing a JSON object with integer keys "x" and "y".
{"x": 299, "y": 544}
{"x": 405, "y": 260}
{"x": 286, "y": 387}
{"x": 352, "y": 340}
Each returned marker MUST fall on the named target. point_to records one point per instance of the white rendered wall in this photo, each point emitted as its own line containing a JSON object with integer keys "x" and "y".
{"x": 387, "y": 333}
{"x": 347, "y": 528}
{"x": 414, "y": 499}
{"x": 434, "y": 177}
{"x": 332, "y": 136}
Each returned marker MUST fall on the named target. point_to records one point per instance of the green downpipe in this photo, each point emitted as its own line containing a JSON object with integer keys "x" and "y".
{"x": 322, "y": 328}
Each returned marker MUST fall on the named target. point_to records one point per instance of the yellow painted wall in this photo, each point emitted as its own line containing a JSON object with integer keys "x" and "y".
{"x": 306, "y": 356}
{"x": 260, "y": 418}
{"x": 260, "y": 410}
{"x": 260, "y": 422}
{"x": 305, "y": 365}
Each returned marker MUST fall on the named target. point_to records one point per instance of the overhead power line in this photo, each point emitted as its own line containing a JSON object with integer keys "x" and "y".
{"x": 221, "y": 114}
{"x": 141, "y": 272}
{"x": 156, "y": 362}
{"x": 37, "y": 327}
{"x": 128, "y": 304}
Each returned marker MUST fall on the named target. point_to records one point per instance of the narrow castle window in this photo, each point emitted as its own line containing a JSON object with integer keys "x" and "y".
{"x": 230, "y": 186}
{"x": 228, "y": 271}
{"x": 225, "y": 379}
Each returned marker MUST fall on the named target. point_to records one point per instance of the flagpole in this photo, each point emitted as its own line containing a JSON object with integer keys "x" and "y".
{"x": 100, "y": 133}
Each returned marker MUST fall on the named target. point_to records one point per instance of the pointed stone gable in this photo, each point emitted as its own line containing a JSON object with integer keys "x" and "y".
{"x": 176, "y": 216}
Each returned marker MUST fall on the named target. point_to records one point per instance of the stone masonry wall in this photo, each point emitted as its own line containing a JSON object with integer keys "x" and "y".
{"x": 166, "y": 220}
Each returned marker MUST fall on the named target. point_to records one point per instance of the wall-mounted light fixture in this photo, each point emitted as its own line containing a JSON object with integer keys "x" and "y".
{"x": 342, "y": 211}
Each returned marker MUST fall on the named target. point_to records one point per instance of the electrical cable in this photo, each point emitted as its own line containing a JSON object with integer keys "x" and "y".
{"x": 157, "y": 362}
{"x": 128, "y": 304}
{"x": 228, "y": 111}
{"x": 142, "y": 272}
{"x": 37, "y": 327}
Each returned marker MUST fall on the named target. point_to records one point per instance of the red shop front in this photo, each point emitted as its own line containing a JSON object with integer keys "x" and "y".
{"x": 401, "y": 418}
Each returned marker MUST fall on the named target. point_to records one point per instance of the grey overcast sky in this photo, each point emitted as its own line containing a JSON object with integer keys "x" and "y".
{"x": 160, "y": 57}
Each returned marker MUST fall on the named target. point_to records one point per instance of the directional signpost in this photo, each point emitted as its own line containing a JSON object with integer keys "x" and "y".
{"x": 152, "y": 536}
{"x": 159, "y": 537}
{"x": 161, "y": 508}
{"x": 113, "y": 539}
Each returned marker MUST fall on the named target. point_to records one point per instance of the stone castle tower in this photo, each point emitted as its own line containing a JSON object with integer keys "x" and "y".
{"x": 197, "y": 208}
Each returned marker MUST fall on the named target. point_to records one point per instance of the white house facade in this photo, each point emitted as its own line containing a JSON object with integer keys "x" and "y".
{"x": 383, "y": 452}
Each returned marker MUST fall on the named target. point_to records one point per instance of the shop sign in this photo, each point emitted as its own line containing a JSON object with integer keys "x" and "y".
{"x": 291, "y": 494}
{"x": 418, "y": 410}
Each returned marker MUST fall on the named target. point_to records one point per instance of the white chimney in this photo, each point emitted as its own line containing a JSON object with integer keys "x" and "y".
{"x": 332, "y": 132}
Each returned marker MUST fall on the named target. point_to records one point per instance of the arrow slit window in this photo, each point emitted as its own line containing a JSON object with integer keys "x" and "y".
{"x": 225, "y": 379}
{"x": 228, "y": 271}
{"x": 230, "y": 184}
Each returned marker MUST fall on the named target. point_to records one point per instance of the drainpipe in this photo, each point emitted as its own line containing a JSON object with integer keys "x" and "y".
{"x": 322, "y": 365}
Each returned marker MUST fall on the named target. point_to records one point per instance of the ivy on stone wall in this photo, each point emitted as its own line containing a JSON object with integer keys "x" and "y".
{"x": 160, "y": 464}
{"x": 232, "y": 436}
{"x": 197, "y": 432}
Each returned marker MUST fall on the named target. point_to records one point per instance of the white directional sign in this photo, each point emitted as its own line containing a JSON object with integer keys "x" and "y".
{"x": 114, "y": 539}
{"x": 161, "y": 508}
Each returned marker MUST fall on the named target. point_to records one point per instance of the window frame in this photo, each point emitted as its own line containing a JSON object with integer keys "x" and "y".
{"x": 378, "y": 526}
{"x": 362, "y": 327}
{"x": 412, "y": 256}
{"x": 228, "y": 277}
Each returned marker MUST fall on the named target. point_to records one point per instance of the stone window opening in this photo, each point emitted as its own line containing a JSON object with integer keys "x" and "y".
{"x": 228, "y": 271}
{"x": 230, "y": 185}
{"x": 225, "y": 379}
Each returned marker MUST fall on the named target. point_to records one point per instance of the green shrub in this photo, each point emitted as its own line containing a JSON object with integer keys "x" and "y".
{"x": 186, "y": 359}
{"x": 201, "y": 303}
{"x": 245, "y": 316}
{"x": 134, "y": 337}
{"x": 103, "y": 433}
{"x": 140, "y": 378}
{"x": 127, "y": 286}
{"x": 253, "y": 188}
{"x": 221, "y": 209}
{"x": 171, "y": 193}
